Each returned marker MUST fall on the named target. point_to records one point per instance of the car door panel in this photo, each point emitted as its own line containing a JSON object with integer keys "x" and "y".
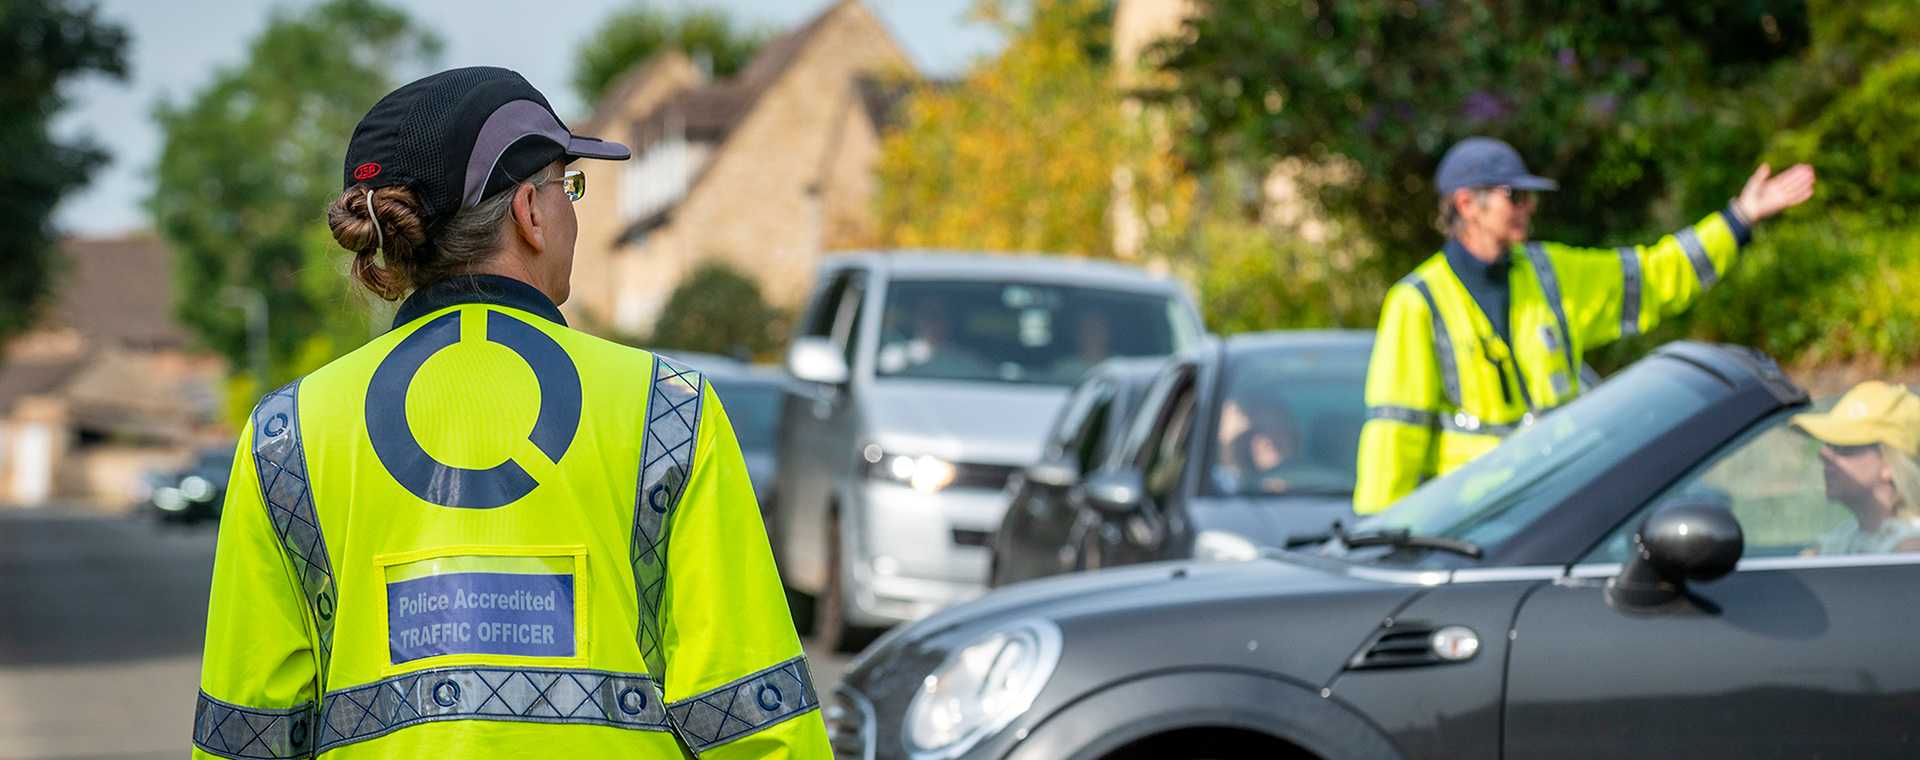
{"x": 1778, "y": 663}
{"x": 813, "y": 419}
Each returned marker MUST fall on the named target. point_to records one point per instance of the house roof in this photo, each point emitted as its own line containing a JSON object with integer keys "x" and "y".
{"x": 35, "y": 377}
{"x": 707, "y": 114}
{"x": 116, "y": 291}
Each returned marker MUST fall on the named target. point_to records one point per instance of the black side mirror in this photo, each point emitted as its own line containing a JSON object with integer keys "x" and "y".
{"x": 1695, "y": 538}
{"x": 1116, "y": 493}
{"x": 1053, "y": 473}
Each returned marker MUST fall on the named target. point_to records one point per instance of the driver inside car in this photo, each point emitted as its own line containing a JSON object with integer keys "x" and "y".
{"x": 1255, "y": 441}
{"x": 1868, "y": 444}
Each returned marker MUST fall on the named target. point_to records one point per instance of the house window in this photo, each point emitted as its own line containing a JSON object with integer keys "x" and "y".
{"x": 660, "y": 177}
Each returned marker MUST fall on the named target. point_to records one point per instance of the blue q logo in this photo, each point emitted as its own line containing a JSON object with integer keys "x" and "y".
{"x": 446, "y": 485}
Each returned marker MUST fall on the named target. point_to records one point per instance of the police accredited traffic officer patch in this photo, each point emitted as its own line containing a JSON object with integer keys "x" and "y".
{"x": 488, "y": 602}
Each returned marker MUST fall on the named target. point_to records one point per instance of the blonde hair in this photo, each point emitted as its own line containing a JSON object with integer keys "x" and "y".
{"x": 1906, "y": 480}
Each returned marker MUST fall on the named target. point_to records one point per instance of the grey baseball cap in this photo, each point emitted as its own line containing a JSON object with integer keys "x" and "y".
{"x": 460, "y": 136}
{"x": 1486, "y": 162}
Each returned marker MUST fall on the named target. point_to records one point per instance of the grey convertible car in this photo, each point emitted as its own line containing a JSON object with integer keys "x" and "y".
{"x": 1639, "y": 574}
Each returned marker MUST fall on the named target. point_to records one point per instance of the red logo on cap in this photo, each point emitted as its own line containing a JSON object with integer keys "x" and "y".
{"x": 366, "y": 171}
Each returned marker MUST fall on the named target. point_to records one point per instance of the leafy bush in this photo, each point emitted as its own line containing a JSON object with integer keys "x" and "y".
{"x": 718, "y": 310}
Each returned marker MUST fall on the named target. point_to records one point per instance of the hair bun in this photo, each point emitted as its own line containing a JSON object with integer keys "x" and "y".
{"x": 398, "y": 238}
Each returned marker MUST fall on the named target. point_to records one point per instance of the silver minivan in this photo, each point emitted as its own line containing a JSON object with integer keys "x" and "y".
{"x": 923, "y": 381}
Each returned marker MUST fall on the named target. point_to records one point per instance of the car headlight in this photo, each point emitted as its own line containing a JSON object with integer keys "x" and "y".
{"x": 1221, "y": 546}
{"x": 980, "y": 689}
{"x": 924, "y": 473}
{"x": 196, "y": 488}
{"x": 169, "y": 499}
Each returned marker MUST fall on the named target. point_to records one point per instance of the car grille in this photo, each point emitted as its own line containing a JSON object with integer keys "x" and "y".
{"x": 992, "y": 477}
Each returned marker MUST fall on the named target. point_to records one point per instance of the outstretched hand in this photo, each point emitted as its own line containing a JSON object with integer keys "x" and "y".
{"x": 1767, "y": 194}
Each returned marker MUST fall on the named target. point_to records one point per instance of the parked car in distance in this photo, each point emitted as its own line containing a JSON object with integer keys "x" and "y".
{"x": 752, "y": 395}
{"x": 1647, "y": 572}
{"x": 927, "y": 380}
{"x": 1046, "y": 520}
{"x": 191, "y": 493}
{"x": 1238, "y": 444}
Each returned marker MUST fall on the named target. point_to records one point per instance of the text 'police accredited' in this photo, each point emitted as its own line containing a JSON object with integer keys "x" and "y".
{"x": 480, "y": 613}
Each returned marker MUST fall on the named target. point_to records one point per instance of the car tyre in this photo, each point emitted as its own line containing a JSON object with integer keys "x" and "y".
{"x": 830, "y": 630}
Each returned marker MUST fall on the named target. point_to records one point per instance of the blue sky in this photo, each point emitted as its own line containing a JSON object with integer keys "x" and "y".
{"x": 176, "y": 44}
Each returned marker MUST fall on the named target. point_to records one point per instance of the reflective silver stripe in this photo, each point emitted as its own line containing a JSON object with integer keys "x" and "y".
{"x": 666, "y": 461}
{"x": 1630, "y": 292}
{"x": 281, "y": 464}
{"x": 1550, "y": 288}
{"x": 1410, "y": 416}
{"x": 252, "y": 733}
{"x": 745, "y": 706}
{"x": 520, "y": 695}
{"x": 1442, "y": 342}
{"x": 1697, "y": 253}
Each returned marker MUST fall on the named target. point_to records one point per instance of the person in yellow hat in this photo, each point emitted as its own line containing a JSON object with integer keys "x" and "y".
{"x": 1870, "y": 439}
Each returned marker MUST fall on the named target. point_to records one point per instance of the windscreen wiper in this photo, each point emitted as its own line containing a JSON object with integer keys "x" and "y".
{"x": 1394, "y": 537}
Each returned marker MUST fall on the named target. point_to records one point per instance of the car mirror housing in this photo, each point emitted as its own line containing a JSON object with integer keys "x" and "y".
{"x": 1053, "y": 473}
{"x": 816, "y": 360}
{"x": 1116, "y": 493}
{"x": 1690, "y": 539}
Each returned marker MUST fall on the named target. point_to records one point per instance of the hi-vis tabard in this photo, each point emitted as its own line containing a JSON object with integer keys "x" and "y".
{"x": 1443, "y": 388}
{"x": 486, "y": 535}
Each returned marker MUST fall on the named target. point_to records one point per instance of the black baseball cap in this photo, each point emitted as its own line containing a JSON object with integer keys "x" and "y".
{"x": 1486, "y": 162}
{"x": 459, "y": 137}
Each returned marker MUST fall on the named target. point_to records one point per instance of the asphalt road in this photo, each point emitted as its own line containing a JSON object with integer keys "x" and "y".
{"x": 101, "y": 622}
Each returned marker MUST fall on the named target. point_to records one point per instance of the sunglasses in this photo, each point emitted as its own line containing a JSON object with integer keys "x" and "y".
{"x": 1516, "y": 197}
{"x": 574, "y": 182}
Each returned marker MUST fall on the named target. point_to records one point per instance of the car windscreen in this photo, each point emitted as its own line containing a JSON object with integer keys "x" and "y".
{"x": 753, "y": 406}
{"x": 1497, "y": 495}
{"x": 1288, "y": 422}
{"x": 1018, "y": 332}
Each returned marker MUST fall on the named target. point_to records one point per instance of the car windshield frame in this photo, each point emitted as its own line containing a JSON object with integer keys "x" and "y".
{"x": 1166, "y": 304}
{"x": 1542, "y": 482}
{"x": 1233, "y": 360}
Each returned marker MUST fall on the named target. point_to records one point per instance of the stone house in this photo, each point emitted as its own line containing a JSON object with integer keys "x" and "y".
{"x": 763, "y": 171}
{"x": 106, "y": 384}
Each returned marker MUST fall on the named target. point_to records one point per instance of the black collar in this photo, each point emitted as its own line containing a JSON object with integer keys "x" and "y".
{"x": 1468, "y": 266}
{"x": 477, "y": 288}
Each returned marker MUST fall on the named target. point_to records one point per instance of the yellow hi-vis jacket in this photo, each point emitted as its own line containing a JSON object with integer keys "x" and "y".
{"x": 1443, "y": 388}
{"x": 486, "y": 535}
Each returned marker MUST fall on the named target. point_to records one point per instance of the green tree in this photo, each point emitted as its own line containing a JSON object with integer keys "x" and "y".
{"x": 1021, "y": 154}
{"x": 718, "y": 310}
{"x": 630, "y": 36}
{"x": 248, "y": 166}
{"x": 1645, "y": 108}
{"x": 43, "y": 43}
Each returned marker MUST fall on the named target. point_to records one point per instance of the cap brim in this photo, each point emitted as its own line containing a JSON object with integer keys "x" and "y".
{"x": 588, "y": 147}
{"x": 1825, "y": 428}
{"x": 1530, "y": 182}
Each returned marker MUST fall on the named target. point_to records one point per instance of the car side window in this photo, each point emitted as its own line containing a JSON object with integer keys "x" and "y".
{"x": 1091, "y": 445}
{"x": 1167, "y": 452}
{"x": 825, "y": 306}
{"x": 1793, "y": 496}
{"x": 1071, "y": 423}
